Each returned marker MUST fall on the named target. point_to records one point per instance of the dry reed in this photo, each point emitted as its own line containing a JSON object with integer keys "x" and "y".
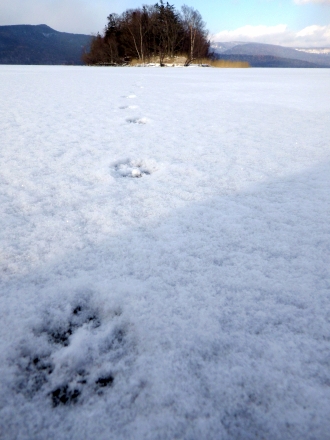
{"x": 223, "y": 64}
{"x": 180, "y": 61}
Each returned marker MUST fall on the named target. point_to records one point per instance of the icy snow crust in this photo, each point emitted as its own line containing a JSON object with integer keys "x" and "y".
{"x": 164, "y": 253}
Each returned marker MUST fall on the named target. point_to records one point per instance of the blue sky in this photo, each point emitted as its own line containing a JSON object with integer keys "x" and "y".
{"x": 232, "y": 14}
{"x": 287, "y": 22}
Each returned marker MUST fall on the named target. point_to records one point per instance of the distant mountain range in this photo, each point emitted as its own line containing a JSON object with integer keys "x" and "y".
{"x": 269, "y": 55}
{"x": 27, "y": 44}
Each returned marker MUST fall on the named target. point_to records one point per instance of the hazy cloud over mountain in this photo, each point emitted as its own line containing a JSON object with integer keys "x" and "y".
{"x": 78, "y": 16}
{"x": 302, "y": 2}
{"x": 315, "y": 36}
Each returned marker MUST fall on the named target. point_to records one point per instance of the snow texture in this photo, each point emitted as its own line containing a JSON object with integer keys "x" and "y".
{"x": 164, "y": 265}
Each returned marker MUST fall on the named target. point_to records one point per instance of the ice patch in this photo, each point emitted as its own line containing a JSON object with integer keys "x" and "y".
{"x": 133, "y": 167}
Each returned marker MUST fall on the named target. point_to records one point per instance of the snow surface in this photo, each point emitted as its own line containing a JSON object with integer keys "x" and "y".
{"x": 164, "y": 253}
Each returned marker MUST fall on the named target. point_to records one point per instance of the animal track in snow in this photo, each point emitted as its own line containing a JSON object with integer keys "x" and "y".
{"x": 72, "y": 355}
{"x": 124, "y": 107}
{"x": 137, "y": 120}
{"x": 81, "y": 315}
{"x": 133, "y": 168}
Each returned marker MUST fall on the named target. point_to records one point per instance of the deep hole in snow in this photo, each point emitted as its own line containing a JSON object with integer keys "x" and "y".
{"x": 33, "y": 373}
{"x": 61, "y": 336}
{"x": 105, "y": 381}
{"x": 64, "y": 395}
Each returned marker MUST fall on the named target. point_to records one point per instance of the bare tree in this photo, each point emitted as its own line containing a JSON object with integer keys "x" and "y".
{"x": 194, "y": 27}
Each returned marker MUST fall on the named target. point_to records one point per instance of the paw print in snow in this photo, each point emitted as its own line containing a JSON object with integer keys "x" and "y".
{"x": 133, "y": 168}
{"x": 72, "y": 355}
{"x": 140, "y": 121}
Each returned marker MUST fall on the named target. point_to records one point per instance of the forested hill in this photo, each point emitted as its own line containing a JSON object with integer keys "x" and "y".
{"x": 28, "y": 44}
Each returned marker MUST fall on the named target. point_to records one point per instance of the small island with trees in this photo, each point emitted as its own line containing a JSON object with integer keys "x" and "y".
{"x": 151, "y": 34}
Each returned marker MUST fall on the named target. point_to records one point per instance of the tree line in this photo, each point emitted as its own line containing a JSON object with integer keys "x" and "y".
{"x": 148, "y": 33}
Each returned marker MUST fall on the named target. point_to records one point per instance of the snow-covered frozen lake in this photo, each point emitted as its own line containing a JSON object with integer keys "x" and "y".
{"x": 165, "y": 253}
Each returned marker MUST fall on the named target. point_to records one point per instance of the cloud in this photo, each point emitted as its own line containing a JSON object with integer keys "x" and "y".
{"x": 252, "y": 32}
{"x": 303, "y": 2}
{"x": 311, "y": 36}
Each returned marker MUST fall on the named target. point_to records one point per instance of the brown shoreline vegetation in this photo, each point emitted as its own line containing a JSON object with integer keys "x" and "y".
{"x": 180, "y": 62}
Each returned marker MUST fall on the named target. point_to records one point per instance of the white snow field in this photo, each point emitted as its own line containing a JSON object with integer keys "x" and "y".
{"x": 165, "y": 253}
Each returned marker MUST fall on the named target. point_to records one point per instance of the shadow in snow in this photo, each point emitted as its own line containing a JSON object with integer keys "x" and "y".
{"x": 229, "y": 299}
